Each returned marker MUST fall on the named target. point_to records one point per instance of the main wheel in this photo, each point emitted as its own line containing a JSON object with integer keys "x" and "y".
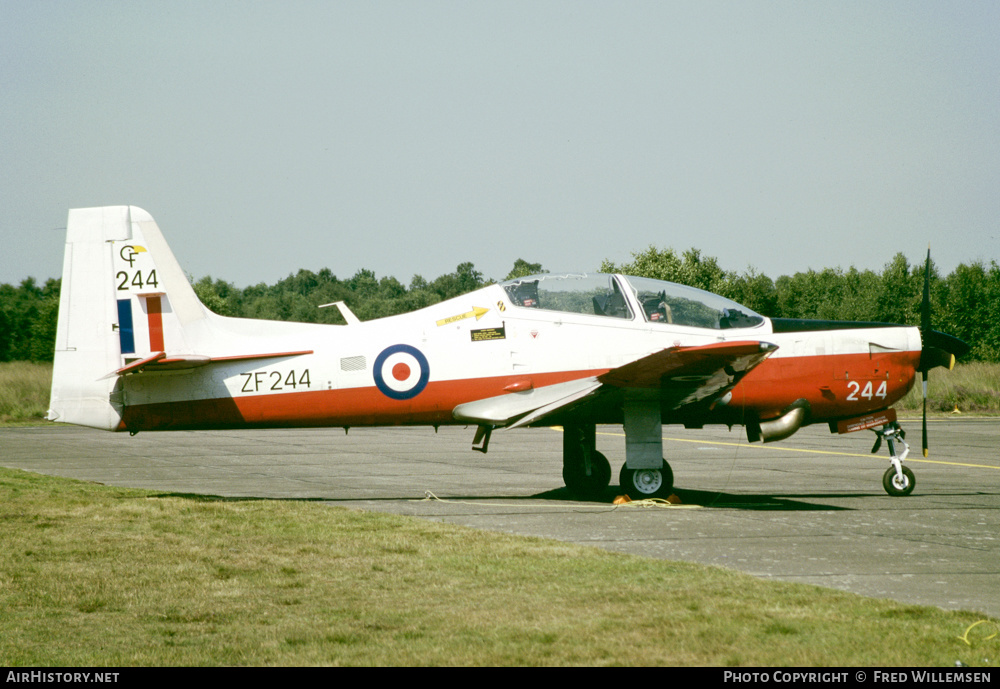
{"x": 588, "y": 486}
{"x": 647, "y": 483}
{"x": 896, "y": 487}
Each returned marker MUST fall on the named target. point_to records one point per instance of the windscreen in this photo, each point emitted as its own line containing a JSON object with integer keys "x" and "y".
{"x": 670, "y": 303}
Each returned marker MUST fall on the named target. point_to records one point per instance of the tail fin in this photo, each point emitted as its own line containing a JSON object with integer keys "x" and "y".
{"x": 124, "y": 298}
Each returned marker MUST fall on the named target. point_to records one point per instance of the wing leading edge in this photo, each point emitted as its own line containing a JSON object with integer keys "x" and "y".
{"x": 683, "y": 376}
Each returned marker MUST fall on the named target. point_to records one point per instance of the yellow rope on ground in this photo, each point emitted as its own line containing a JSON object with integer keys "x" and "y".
{"x": 430, "y": 497}
{"x": 965, "y": 637}
{"x": 655, "y": 502}
{"x": 620, "y": 501}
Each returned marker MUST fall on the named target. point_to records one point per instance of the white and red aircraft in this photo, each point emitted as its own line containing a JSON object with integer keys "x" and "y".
{"x": 136, "y": 350}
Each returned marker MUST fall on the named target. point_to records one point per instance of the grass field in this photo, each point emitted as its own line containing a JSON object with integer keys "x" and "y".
{"x": 24, "y": 392}
{"x": 99, "y": 576}
{"x": 970, "y": 388}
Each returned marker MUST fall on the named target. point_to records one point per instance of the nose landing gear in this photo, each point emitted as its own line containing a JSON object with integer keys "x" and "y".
{"x": 897, "y": 480}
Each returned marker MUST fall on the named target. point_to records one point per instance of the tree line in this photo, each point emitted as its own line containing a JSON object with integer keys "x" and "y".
{"x": 965, "y": 303}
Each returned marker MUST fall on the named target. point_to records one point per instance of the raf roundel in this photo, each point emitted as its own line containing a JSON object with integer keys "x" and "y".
{"x": 401, "y": 372}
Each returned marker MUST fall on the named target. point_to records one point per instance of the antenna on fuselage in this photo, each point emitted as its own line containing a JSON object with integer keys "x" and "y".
{"x": 345, "y": 311}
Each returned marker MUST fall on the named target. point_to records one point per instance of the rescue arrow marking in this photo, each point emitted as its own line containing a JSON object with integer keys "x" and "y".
{"x": 477, "y": 312}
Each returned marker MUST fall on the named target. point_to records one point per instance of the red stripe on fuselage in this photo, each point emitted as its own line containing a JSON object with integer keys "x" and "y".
{"x": 340, "y": 407}
{"x": 834, "y": 385}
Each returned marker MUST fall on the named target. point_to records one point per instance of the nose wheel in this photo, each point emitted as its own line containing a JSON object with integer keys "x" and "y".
{"x": 898, "y": 485}
{"x": 898, "y": 480}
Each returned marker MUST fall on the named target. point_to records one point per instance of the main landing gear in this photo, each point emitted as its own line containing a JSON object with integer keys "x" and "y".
{"x": 647, "y": 483}
{"x": 897, "y": 480}
{"x": 587, "y": 472}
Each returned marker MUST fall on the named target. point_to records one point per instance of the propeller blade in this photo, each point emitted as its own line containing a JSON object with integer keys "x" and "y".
{"x": 924, "y": 444}
{"x": 925, "y": 304}
{"x": 925, "y": 332}
{"x": 936, "y": 348}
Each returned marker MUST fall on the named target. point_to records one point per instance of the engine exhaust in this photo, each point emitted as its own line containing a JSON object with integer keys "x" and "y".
{"x": 782, "y": 427}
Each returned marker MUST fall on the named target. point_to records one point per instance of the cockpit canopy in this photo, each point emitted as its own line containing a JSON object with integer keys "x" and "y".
{"x": 600, "y": 294}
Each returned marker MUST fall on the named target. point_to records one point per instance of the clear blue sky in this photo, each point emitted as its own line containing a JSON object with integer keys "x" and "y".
{"x": 408, "y": 137}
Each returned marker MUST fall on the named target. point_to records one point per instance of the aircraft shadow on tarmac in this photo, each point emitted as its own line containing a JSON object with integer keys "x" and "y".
{"x": 713, "y": 499}
{"x": 204, "y": 497}
{"x": 706, "y": 499}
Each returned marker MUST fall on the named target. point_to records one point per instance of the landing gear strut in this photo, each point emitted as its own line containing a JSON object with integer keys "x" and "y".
{"x": 897, "y": 480}
{"x": 586, "y": 471}
{"x": 645, "y": 474}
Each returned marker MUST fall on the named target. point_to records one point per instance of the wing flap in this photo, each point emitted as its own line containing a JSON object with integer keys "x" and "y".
{"x": 506, "y": 409}
{"x": 566, "y": 401}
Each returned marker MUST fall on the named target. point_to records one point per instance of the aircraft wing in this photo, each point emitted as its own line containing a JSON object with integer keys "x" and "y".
{"x": 686, "y": 375}
{"x": 683, "y": 375}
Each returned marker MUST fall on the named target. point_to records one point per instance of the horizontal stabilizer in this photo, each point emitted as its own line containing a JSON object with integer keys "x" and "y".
{"x": 163, "y": 362}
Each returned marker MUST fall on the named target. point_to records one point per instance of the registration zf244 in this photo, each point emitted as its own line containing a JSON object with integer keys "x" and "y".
{"x": 274, "y": 380}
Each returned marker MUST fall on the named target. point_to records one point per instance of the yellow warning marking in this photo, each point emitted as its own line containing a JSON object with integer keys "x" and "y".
{"x": 477, "y": 313}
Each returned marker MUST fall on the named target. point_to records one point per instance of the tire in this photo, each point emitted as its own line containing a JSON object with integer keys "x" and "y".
{"x": 640, "y": 484}
{"x": 894, "y": 487}
{"x": 588, "y": 486}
